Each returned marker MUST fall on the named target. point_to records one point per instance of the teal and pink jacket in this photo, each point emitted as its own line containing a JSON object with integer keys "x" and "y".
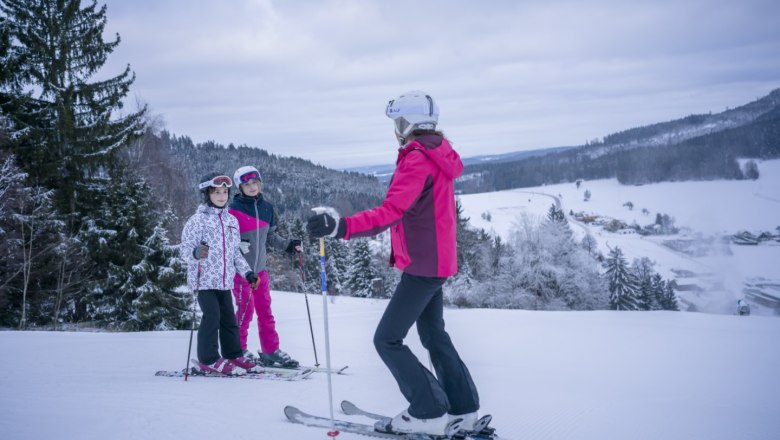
{"x": 419, "y": 209}
{"x": 257, "y": 223}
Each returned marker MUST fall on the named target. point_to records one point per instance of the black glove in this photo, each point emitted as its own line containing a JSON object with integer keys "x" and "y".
{"x": 323, "y": 225}
{"x": 293, "y": 246}
{"x": 201, "y": 251}
{"x": 251, "y": 277}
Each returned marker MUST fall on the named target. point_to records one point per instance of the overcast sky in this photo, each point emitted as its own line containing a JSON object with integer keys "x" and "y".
{"x": 312, "y": 78}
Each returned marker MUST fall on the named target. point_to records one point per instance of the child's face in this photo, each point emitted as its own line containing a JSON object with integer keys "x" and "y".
{"x": 251, "y": 187}
{"x": 218, "y": 196}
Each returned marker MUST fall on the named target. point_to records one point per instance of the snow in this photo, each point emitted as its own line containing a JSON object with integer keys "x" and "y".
{"x": 543, "y": 375}
{"x": 707, "y": 210}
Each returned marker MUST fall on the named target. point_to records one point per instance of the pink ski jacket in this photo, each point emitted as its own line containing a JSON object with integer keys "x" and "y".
{"x": 419, "y": 208}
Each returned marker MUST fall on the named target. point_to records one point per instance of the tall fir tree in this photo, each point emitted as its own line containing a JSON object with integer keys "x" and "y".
{"x": 131, "y": 261}
{"x": 361, "y": 271}
{"x": 338, "y": 264}
{"x": 555, "y": 214}
{"x": 622, "y": 284}
{"x": 642, "y": 269}
{"x": 664, "y": 294}
{"x": 69, "y": 121}
{"x": 159, "y": 304}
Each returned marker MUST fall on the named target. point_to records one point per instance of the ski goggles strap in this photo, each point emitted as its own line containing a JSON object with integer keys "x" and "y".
{"x": 216, "y": 182}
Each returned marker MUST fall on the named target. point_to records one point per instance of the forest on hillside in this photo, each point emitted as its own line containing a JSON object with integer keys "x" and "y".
{"x": 698, "y": 147}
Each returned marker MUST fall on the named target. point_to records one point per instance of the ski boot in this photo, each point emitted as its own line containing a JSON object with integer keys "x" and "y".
{"x": 276, "y": 359}
{"x": 222, "y": 366}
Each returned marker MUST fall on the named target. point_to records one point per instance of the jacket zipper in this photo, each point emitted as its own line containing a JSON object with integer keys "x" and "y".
{"x": 257, "y": 236}
{"x": 224, "y": 252}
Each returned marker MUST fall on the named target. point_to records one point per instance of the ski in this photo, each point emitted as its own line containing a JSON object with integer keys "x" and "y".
{"x": 267, "y": 374}
{"x": 326, "y": 370}
{"x": 314, "y": 369}
{"x": 481, "y": 429}
{"x": 297, "y": 416}
{"x": 263, "y": 376}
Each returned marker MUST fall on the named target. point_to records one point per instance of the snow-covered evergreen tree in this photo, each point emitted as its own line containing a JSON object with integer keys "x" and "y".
{"x": 643, "y": 271}
{"x": 338, "y": 264}
{"x": 664, "y": 294}
{"x": 69, "y": 136}
{"x": 555, "y": 214}
{"x": 156, "y": 282}
{"x": 126, "y": 246}
{"x": 361, "y": 270}
{"x": 622, "y": 284}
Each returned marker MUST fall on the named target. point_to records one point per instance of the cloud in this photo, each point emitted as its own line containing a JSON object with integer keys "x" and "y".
{"x": 311, "y": 78}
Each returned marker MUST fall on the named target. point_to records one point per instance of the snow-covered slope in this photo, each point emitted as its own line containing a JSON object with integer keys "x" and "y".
{"x": 543, "y": 375}
{"x": 708, "y": 210}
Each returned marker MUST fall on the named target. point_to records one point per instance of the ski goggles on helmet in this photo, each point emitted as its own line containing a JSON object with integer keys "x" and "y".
{"x": 249, "y": 176}
{"x": 216, "y": 182}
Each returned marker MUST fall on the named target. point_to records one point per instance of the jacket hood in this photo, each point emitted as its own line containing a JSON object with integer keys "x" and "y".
{"x": 438, "y": 149}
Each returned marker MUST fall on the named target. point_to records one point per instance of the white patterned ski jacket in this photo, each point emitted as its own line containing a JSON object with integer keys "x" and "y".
{"x": 219, "y": 230}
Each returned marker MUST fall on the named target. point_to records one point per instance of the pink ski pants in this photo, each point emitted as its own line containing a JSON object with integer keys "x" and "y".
{"x": 259, "y": 302}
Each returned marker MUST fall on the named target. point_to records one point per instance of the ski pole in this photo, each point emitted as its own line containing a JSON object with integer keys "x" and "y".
{"x": 192, "y": 325}
{"x": 324, "y": 281}
{"x": 308, "y": 312}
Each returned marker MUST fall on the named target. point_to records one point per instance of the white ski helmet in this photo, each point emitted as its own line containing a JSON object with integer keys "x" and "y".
{"x": 243, "y": 174}
{"x": 411, "y": 111}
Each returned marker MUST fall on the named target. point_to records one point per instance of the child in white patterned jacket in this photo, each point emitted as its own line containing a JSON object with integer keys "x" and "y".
{"x": 210, "y": 244}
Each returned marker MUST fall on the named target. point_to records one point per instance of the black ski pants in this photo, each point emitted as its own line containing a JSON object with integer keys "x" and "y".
{"x": 420, "y": 299}
{"x": 217, "y": 324}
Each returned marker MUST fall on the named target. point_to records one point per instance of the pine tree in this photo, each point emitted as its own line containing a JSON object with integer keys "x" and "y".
{"x": 665, "y": 296}
{"x": 69, "y": 139}
{"x": 555, "y": 214}
{"x": 622, "y": 285}
{"x": 361, "y": 271}
{"x": 129, "y": 258}
{"x": 155, "y": 281}
{"x": 338, "y": 264}
{"x": 642, "y": 270}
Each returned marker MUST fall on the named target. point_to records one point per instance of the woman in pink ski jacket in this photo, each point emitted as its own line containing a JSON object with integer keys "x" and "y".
{"x": 419, "y": 209}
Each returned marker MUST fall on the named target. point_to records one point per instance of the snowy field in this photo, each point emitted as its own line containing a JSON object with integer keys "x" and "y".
{"x": 707, "y": 210}
{"x": 543, "y": 375}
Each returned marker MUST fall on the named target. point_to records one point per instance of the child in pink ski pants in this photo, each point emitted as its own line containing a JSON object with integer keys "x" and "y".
{"x": 257, "y": 225}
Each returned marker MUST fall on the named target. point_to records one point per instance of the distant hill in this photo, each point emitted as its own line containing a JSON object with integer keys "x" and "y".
{"x": 695, "y": 147}
{"x": 174, "y": 165}
{"x": 384, "y": 172}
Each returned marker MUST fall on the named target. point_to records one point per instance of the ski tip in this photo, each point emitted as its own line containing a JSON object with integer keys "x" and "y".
{"x": 291, "y": 412}
{"x": 347, "y": 406}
